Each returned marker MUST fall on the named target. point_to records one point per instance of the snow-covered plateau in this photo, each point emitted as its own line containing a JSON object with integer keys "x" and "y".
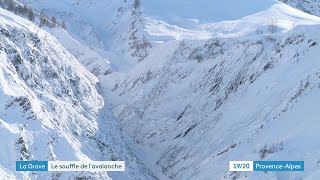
{"x": 177, "y": 89}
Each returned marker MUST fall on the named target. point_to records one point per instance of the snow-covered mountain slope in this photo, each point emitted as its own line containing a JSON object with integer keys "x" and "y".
{"x": 51, "y": 109}
{"x": 94, "y": 62}
{"x": 198, "y": 104}
{"x": 308, "y": 6}
{"x": 109, "y": 27}
{"x": 120, "y": 31}
{"x": 85, "y": 19}
{"x": 194, "y": 105}
{"x": 279, "y": 15}
{"x": 211, "y": 88}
